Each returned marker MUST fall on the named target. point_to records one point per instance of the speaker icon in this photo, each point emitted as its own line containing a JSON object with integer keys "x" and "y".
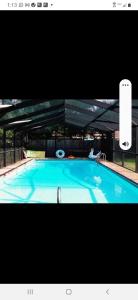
{"x": 125, "y": 144}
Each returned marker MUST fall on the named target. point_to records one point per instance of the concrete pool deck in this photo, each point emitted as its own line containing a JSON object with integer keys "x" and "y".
{"x": 121, "y": 171}
{"x": 14, "y": 166}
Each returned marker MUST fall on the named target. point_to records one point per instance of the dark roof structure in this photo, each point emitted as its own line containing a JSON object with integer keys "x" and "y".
{"x": 98, "y": 114}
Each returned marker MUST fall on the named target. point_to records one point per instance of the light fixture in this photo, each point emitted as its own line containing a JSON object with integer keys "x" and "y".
{"x": 36, "y": 127}
{"x": 5, "y": 105}
{"x": 20, "y": 122}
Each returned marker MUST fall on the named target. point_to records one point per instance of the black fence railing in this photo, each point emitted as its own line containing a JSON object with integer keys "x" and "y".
{"x": 71, "y": 146}
{"x": 127, "y": 159}
{"x": 10, "y": 156}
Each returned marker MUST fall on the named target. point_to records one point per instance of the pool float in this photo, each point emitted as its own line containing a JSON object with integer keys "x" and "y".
{"x": 60, "y": 153}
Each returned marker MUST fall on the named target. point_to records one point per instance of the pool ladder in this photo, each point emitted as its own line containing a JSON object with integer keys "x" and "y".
{"x": 103, "y": 155}
{"x": 59, "y": 195}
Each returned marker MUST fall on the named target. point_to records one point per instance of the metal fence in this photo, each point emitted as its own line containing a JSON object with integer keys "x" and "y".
{"x": 79, "y": 147}
{"x": 127, "y": 159}
{"x": 10, "y": 156}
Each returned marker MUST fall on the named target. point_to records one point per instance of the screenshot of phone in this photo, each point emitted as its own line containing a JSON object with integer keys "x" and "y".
{"x": 68, "y": 149}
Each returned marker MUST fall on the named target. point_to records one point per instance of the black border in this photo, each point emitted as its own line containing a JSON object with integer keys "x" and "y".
{"x": 68, "y": 244}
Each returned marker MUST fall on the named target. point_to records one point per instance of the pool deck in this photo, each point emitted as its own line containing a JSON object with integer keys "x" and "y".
{"x": 14, "y": 166}
{"x": 122, "y": 171}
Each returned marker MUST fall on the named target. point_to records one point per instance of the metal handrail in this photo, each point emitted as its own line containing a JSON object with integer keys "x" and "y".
{"x": 59, "y": 194}
{"x": 104, "y": 156}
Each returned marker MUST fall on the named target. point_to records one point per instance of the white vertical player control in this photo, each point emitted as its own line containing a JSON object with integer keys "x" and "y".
{"x": 125, "y": 114}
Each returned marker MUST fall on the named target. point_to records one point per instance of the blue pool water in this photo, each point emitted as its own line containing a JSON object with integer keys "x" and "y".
{"x": 81, "y": 181}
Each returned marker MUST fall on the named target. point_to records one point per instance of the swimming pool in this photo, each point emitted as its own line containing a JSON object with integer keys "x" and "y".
{"x": 81, "y": 181}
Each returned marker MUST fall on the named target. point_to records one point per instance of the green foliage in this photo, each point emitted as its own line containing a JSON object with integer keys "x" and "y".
{"x": 9, "y": 134}
{"x": 1, "y": 132}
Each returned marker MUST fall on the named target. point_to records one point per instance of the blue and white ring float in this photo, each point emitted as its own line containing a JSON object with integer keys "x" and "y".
{"x": 60, "y": 153}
